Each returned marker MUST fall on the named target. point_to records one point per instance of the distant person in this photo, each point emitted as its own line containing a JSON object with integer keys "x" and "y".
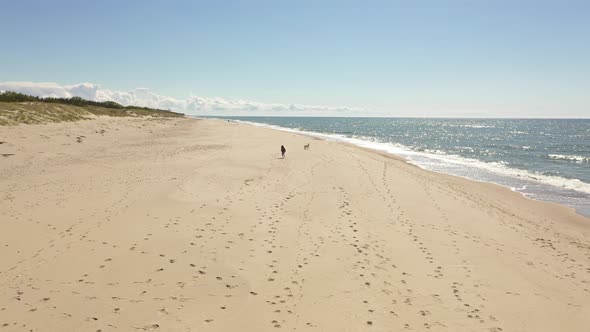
{"x": 283, "y": 151}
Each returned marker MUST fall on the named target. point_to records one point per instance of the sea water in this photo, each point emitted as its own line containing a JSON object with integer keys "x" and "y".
{"x": 544, "y": 159}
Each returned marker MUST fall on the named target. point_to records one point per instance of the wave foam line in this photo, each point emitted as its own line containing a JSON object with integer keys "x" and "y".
{"x": 570, "y": 158}
{"x": 400, "y": 150}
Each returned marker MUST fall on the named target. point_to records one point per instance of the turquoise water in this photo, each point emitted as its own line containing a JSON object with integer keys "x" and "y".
{"x": 545, "y": 159}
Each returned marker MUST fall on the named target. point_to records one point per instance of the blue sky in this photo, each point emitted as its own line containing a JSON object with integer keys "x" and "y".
{"x": 398, "y": 58}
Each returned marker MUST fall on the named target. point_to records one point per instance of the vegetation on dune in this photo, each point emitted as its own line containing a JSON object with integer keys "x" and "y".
{"x": 18, "y": 108}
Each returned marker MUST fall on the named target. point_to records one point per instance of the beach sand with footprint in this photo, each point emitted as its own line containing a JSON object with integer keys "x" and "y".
{"x": 196, "y": 225}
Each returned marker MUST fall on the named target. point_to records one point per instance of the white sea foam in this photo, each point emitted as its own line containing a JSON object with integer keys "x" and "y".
{"x": 477, "y": 126}
{"x": 501, "y": 169}
{"x": 570, "y": 158}
{"x": 428, "y": 159}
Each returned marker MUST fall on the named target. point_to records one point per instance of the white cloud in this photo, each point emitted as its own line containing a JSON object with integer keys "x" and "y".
{"x": 190, "y": 105}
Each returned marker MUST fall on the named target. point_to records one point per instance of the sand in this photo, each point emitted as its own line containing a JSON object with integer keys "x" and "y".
{"x": 120, "y": 224}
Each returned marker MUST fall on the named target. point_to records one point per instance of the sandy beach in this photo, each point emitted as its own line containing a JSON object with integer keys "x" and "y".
{"x": 138, "y": 224}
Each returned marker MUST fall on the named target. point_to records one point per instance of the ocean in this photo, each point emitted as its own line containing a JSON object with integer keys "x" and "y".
{"x": 544, "y": 159}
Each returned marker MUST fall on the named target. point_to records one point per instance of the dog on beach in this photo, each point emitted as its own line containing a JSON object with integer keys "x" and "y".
{"x": 306, "y": 146}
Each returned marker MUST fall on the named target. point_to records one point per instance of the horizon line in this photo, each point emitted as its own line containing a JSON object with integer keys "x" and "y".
{"x": 384, "y": 117}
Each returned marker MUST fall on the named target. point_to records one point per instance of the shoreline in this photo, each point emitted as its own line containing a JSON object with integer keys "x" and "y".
{"x": 186, "y": 224}
{"x": 582, "y": 211}
{"x": 409, "y": 162}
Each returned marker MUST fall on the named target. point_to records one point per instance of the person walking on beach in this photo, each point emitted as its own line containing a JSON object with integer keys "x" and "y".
{"x": 283, "y": 151}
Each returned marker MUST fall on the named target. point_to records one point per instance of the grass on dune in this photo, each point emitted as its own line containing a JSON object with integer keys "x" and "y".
{"x": 38, "y": 112}
{"x": 16, "y": 108}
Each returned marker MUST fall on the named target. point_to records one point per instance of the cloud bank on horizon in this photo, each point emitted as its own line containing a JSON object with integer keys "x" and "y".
{"x": 192, "y": 105}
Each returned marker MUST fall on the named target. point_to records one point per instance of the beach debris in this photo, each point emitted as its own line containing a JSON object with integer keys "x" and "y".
{"x": 79, "y": 138}
{"x": 149, "y": 327}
